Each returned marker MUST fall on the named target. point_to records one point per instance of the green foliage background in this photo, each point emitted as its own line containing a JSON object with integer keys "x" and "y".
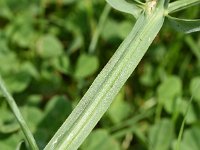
{"x": 46, "y": 65}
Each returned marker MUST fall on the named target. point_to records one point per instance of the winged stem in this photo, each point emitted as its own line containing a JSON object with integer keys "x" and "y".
{"x": 108, "y": 83}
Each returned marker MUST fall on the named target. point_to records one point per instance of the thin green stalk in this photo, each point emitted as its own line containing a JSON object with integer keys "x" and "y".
{"x": 99, "y": 28}
{"x": 42, "y": 6}
{"x": 131, "y": 130}
{"x": 193, "y": 46}
{"x": 18, "y": 116}
{"x": 158, "y": 112}
{"x": 132, "y": 121}
{"x": 125, "y": 131}
{"x": 108, "y": 83}
{"x": 184, "y": 120}
{"x": 183, "y": 125}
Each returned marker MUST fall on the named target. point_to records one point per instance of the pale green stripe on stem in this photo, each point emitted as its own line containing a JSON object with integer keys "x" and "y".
{"x": 108, "y": 83}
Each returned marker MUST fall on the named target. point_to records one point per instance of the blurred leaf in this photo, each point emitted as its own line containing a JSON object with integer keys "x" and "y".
{"x": 195, "y": 88}
{"x": 184, "y": 25}
{"x": 49, "y": 46}
{"x": 8, "y": 124}
{"x": 60, "y": 103}
{"x": 76, "y": 44}
{"x": 56, "y": 111}
{"x": 50, "y": 80}
{"x": 119, "y": 109}
{"x": 161, "y": 135}
{"x": 32, "y": 115}
{"x": 194, "y": 47}
{"x": 147, "y": 77}
{"x": 193, "y": 113}
{"x": 21, "y": 146}
{"x": 65, "y": 2}
{"x": 191, "y": 139}
{"x": 48, "y": 72}
{"x": 30, "y": 69}
{"x": 5, "y": 11}
{"x": 24, "y": 35}
{"x": 3, "y": 46}
{"x": 9, "y": 142}
{"x": 34, "y": 100}
{"x": 17, "y": 82}
{"x": 61, "y": 63}
{"x": 8, "y": 58}
{"x": 124, "y": 28}
{"x": 114, "y": 29}
{"x": 86, "y": 66}
{"x": 168, "y": 91}
{"x": 100, "y": 140}
{"x": 9, "y": 127}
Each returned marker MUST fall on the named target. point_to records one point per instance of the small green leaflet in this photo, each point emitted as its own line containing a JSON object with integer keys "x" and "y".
{"x": 184, "y": 25}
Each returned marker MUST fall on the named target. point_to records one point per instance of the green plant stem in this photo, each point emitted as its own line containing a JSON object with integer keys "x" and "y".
{"x": 99, "y": 28}
{"x": 108, "y": 83}
{"x": 18, "y": 116}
